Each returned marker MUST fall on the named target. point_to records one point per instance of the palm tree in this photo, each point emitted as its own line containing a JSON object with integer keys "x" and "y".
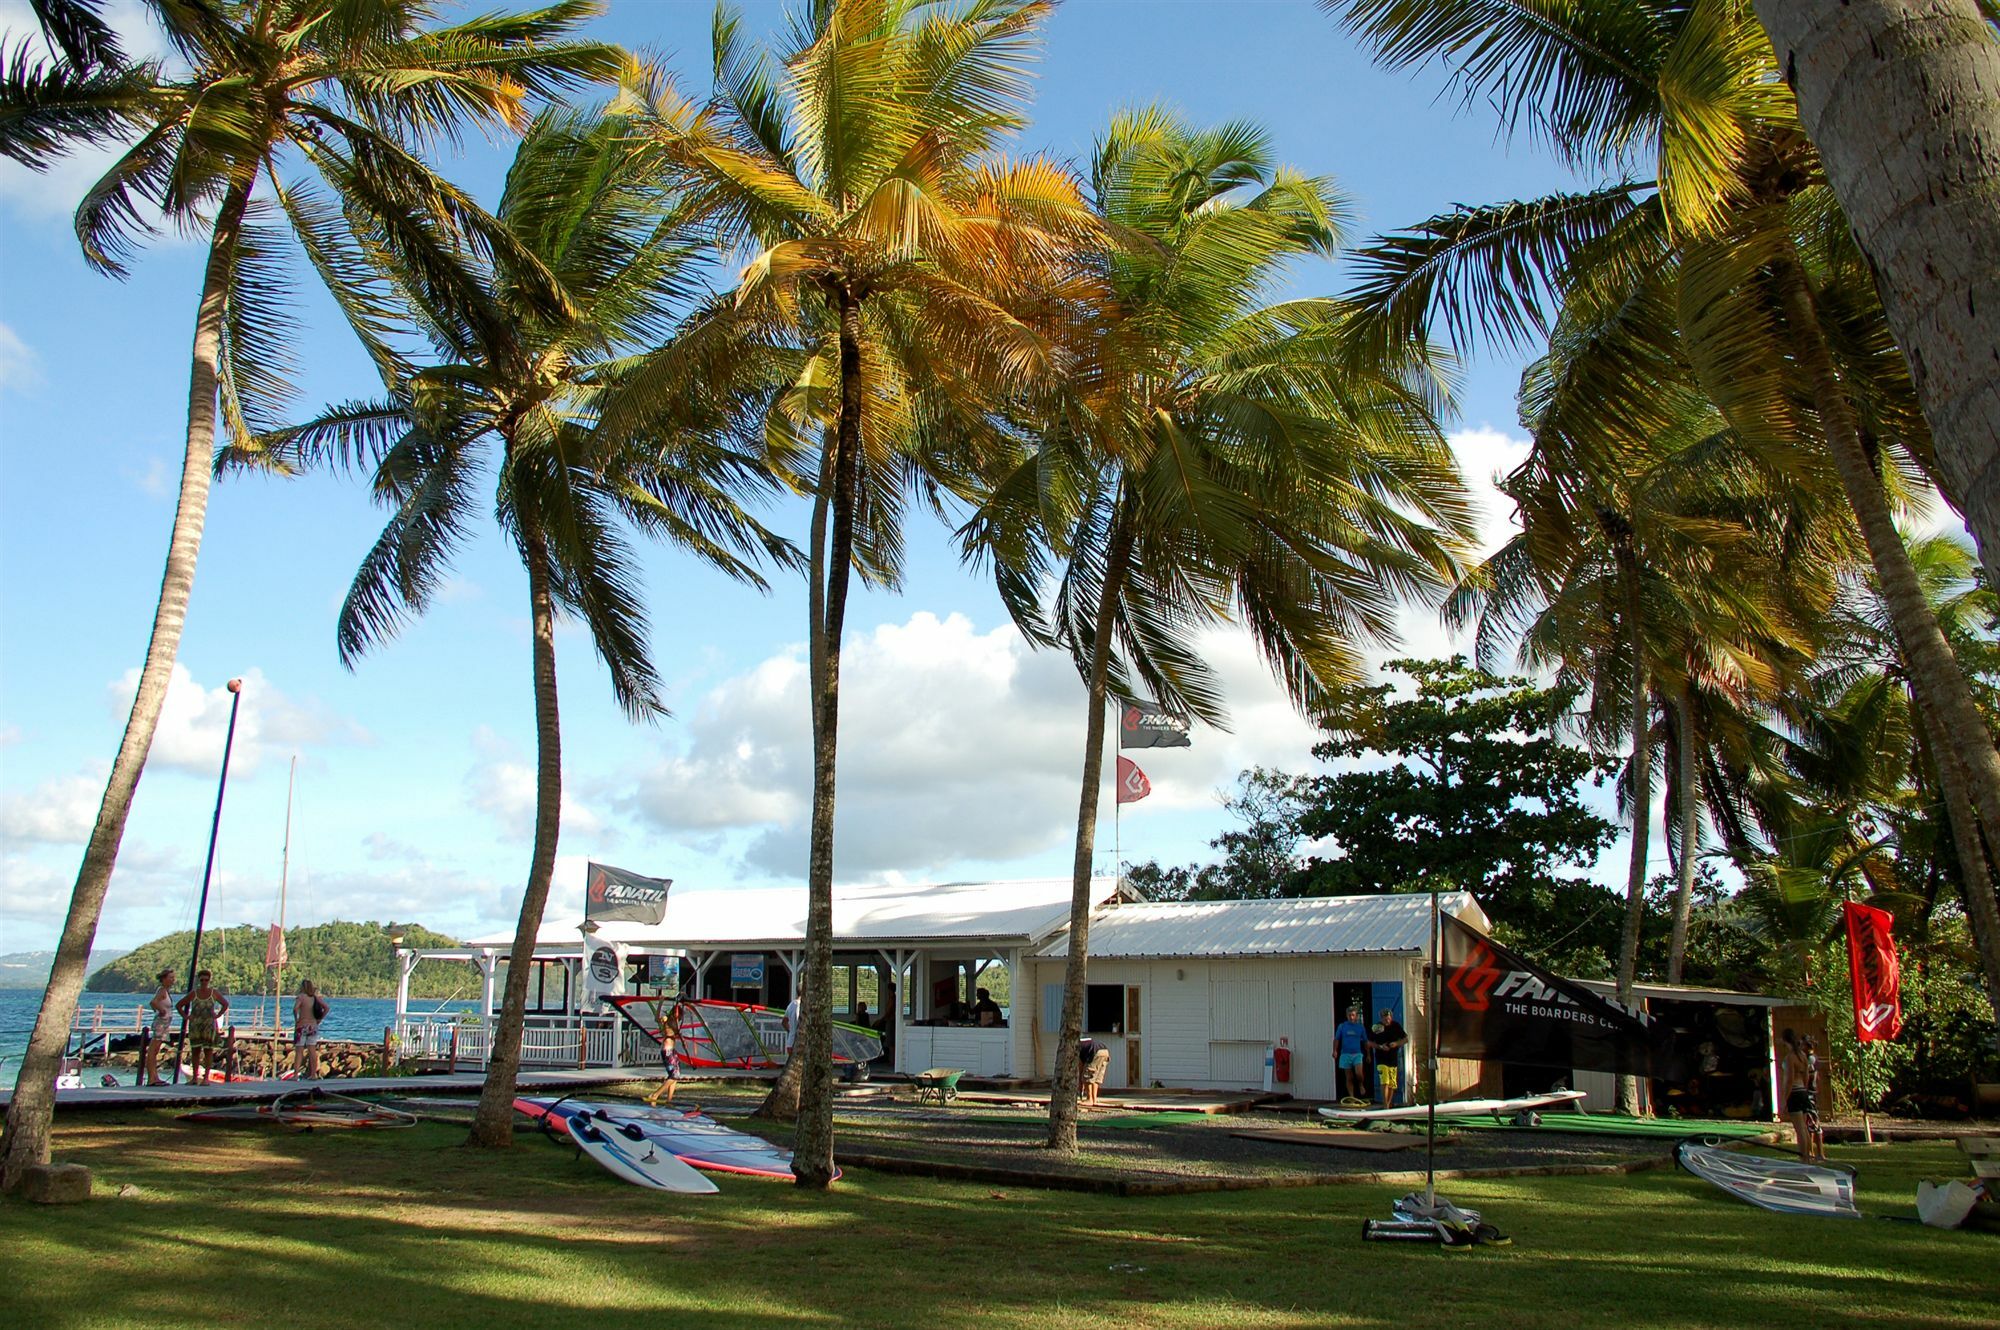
{"x": 1884, "y": 87}
{"x": 584, "y": 203}
{"x": 889, "y": 247}
{"x": 1207, "y": 457}
{"x": 1737, "y": 234}
{"x": 347, "y": 86}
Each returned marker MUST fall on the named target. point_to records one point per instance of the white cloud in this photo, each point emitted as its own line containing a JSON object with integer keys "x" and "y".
{"x": 56, "y": 812}
{"x": 10, "y": 735}
{"x": 195, "y": 722}
{"x": 20, "y": 367}
{"x": 160, "y": 479}
{"x": 956, "y": 746}
{"x": 501, "y": 784}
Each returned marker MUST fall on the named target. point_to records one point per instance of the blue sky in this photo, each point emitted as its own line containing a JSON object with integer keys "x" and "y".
{"x": 959, "y": 747}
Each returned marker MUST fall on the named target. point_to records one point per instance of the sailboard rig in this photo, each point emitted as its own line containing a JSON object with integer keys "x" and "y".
{"x": 714, "y": 1033}
{"x": 1784, "y": 1185}
{"x": 306, "y": 1109}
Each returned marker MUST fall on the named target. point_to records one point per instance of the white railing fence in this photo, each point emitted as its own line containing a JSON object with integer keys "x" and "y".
{"x": 546, "y": 1041}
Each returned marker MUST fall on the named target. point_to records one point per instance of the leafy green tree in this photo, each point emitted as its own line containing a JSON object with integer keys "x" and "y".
{"x": 1736, "y": 231}
{"x": 892, "y": 248}
{"x": 1260, "y": 858}
{"x": 344, "y": 87}
{"x": 1211, "y": 456}
{"x": 517, "y": 390}
{"x": 1466, "y": 785}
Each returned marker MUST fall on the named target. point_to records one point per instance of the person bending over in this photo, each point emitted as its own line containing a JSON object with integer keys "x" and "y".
{"x": 1093, "y": 1061}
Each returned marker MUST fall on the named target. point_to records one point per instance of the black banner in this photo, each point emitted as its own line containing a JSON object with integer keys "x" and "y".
{"x": 1145, "y": 725}
{"x": 1498, "y": 1007}
{"x": 612, "y": 895}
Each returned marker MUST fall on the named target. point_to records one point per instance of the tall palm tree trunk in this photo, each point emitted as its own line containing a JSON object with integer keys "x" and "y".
{"x": 1690, "y": 805}
{"x": 1642, "y": 813}
{"x": 781, "y": 1103}
{"x": 1944, "y": 702}
{"x": 1063, "y": 1090}
{"x": 1975, "y": 870}
{"x": 1902, "y": 99}
{"x": 812, "y": 1152}
{"x": 493, "y": 1126}
{"x": 33, "y": 1104}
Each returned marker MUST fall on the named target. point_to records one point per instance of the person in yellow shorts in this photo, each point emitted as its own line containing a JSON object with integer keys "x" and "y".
{"x": 1386, "y": 1040}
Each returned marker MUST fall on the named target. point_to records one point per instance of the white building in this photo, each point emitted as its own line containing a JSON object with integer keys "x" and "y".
{"x": 1185, "y": 994}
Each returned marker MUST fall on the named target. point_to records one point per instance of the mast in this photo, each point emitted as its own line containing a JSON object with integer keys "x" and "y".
{"x": 284, "y": 873}
{"x": 1431, "y": 1003}
{"x": 208, "y": 870}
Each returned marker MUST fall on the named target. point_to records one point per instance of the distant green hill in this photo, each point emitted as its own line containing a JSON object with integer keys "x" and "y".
{"x": 30, "y": 969}
{"x": 343, "y": 959}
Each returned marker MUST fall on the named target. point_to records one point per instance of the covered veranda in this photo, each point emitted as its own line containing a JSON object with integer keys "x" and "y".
{"x": 908, "y": 961}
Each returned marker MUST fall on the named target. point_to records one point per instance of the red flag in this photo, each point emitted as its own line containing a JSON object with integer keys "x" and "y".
{"x": 274, "y": 947}
{"x": 1871, "y": 959}
{"x": 1132, "y": 783}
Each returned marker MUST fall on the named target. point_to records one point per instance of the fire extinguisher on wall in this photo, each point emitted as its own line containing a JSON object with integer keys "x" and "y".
{"x": 1281, "y": 1063}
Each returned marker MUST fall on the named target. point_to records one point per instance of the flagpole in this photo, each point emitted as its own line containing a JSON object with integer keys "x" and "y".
{"x": 1860, "y": 1046}
{"x": 1431, "y": 1001}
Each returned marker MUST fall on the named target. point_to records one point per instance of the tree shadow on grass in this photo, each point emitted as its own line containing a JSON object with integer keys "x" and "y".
{"x": 330, "y": 1230}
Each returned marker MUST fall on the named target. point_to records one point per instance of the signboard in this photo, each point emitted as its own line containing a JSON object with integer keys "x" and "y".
{"x": 1500, "y": 1007}
{"x": 612, "y": 895}
{"x": 746, "y": 970}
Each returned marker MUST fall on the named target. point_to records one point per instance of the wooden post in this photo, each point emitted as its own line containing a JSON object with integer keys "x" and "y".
{"x": 229, "y": 1054}
{"x": 582, "y": 1046}
{"x": 388, "y": 1048}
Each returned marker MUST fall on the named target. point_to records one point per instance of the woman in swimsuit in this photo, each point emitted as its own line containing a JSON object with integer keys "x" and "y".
{"x": 202, "y": 1011}
{"x": 162, "y": 1007}
{"x": 308, "y": 1010}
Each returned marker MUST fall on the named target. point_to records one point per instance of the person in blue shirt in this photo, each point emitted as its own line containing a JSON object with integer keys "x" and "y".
{"x": 1350, "y": 1044}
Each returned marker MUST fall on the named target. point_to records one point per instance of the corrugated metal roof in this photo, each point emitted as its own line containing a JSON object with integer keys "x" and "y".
{"x": 1015, "y": 913}
{"x": 1306, "y": 926}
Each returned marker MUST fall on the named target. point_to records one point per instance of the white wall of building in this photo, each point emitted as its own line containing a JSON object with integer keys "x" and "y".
{"x": 1204, "y": 1024}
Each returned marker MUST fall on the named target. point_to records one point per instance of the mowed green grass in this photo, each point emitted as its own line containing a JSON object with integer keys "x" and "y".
{"x": 329, "y": 1230}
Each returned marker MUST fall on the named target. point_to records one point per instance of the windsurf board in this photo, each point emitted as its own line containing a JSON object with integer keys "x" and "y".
{"x": 642, "y": 1163}
{"x": 1456, "y": 1108}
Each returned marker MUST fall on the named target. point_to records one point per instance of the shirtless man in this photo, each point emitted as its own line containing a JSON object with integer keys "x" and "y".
{"x": 1801, "y": 1096}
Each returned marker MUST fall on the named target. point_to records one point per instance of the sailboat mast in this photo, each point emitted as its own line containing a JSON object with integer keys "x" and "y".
{"x": 284, "y": 873}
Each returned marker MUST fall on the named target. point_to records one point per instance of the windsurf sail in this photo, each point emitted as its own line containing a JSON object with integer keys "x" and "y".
{"x": 714, "y": 1033}
{"x": 1784, "y": 1185}
{"x": 1457, "y": 1108}
{"x": 306, "y": 1109}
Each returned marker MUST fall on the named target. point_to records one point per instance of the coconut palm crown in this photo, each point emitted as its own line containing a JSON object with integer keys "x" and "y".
{"x": 1212, "y": 455}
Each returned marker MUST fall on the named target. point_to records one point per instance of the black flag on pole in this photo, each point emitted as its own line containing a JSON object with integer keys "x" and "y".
{"x": 1146, "y": 725}
{"x": 612, "y": 895}
{"x": 1499, "y": 1007}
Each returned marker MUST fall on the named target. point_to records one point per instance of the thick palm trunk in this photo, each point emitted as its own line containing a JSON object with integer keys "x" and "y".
{"x": 1064, "y": 1084}
{"x": 1902, "y": 99}
{"x": 493, "y": 1126}
{"x": 33, "y": 1103}
{"x": 812, "y": 1150}
{"x": 1975, "y": 869}
{"x": 1965, "y": 748}
{"x": 1690, "y": 836}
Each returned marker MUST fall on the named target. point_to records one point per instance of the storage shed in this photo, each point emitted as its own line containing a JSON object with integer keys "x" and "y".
{"x": 1193, "y": 993}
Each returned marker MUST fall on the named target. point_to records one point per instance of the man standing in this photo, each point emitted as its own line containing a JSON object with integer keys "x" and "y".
{"x": 1386, "y": 1039}
{"x": 792, "y": 1023}
{"x": 1350, "y": 1051}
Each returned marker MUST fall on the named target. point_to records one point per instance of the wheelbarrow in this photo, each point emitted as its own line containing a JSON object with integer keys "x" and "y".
{"x": 938, "y": 1086}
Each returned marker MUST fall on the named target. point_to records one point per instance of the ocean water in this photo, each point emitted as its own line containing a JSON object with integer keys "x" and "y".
{"x": 347, "y": 1018}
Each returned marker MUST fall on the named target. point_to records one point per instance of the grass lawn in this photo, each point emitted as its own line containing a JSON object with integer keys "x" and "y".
{"x": 329, "y": 1230}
